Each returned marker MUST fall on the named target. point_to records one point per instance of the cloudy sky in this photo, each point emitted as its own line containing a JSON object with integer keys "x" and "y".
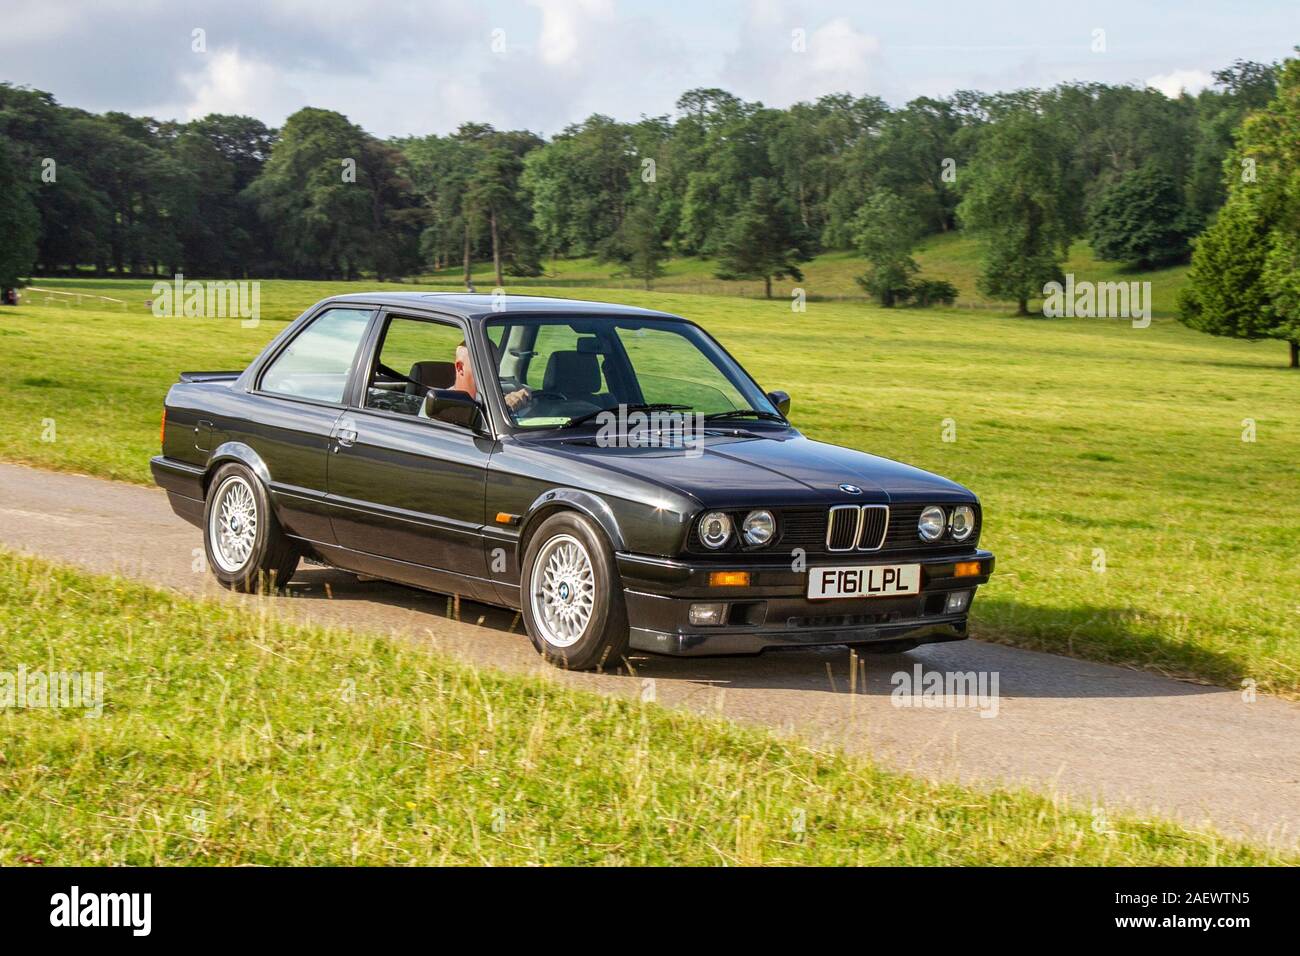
{"x": 405, "y": 66}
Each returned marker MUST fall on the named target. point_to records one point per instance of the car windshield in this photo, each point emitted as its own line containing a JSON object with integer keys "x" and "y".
{"x": 562, "y": 371}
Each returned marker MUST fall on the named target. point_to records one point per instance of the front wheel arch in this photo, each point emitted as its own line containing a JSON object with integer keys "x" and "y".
{"x": 568, "y": 499}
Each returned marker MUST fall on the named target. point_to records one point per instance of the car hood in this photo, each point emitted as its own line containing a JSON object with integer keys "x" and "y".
{"x": 780, "y": 468}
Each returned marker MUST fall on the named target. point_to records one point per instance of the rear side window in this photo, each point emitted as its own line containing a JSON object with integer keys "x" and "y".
{"x": 315, "y": 364}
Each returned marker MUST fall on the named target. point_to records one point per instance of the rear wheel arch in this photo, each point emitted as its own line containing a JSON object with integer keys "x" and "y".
{"x": 237, "y": 452}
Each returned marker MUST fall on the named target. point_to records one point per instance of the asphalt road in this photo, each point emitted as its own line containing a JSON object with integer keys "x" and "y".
{"x": 1116, "y": 737}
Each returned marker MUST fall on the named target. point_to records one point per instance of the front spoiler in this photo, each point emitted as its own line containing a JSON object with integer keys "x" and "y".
{"x": 775, "y": 611}
{"x": 722, "y": 642}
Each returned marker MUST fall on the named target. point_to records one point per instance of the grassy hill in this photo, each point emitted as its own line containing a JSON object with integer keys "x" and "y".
{"x": 830, "y": 275}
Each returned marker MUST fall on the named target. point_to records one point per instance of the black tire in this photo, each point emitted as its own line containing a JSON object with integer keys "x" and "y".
{"x": 603, "y": 642}
{"x": 272, "y": 559}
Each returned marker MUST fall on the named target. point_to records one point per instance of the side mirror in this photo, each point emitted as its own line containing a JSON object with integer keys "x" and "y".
{"x": 781, "y": 400}
{"x": 453, "y": 407}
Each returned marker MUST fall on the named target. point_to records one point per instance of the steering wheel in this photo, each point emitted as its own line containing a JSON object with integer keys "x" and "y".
{"x": 547, "y": 393}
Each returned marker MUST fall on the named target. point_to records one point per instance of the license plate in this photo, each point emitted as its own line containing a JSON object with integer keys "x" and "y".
{"x": 864, "y": 580}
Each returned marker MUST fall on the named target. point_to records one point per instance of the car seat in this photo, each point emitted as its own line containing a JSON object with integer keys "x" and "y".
{"x": 430, "y": 375}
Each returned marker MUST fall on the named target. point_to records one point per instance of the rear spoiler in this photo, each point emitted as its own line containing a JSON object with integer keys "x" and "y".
{"x": 210, "y": 376}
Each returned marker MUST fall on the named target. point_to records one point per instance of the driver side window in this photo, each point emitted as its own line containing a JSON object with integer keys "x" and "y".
{"x": 415, "y": 355}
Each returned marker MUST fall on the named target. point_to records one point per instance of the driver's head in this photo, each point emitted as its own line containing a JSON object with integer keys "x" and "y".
{"x": 464, "y": 372}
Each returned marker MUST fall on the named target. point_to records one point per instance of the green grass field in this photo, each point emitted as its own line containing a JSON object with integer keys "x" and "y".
{"x": 1132, "y": 523}
{"x": 230, "y": 737}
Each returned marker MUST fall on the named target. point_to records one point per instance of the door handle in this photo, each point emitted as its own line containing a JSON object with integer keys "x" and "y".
{"x": 346, "y": 437}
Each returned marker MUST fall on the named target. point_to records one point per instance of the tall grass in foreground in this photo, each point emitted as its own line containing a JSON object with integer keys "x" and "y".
{"x": 231, "y": 737}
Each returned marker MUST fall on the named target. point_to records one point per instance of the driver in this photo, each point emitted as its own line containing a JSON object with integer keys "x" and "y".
{"x": 465, "y": 382}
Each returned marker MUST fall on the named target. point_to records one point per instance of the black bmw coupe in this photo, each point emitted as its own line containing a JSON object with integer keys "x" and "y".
{"x": 611, "y": 472}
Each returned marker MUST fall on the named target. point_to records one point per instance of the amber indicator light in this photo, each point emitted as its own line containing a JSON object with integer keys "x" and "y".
{"x": 728, "y": 579}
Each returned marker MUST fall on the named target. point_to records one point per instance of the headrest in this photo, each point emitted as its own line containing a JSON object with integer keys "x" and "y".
{"x": 434, "y": 374}
{"x": 572, "y": 373}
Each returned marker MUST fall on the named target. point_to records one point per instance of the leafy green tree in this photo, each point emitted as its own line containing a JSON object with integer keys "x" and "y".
{"x": 917, "y": 146}
{"x": 439, "y": 168}
{"x": 933, "y": 292}
{"x": 1281, "y": 279}
{"x": 496, "y": 201}
{"x": 1225, "y": 293}
{"x": 395, "y": 213}
{"x": 149, "y": 193}
{"x": 1113, "y": 131}
{"x": 224, "y": 154}
{"x": 74, "y": 218}
{"x": 638, "y": 244}
{"x": 580, "y": 185}
{"x": 766, "y": 240}
{"x": 1238, "y": 89}
{"x": 886, "y": 231}
{"x": 813, "y": 148}
{"x": 1243, "y": 279}
{"x": 336, "y": 199}
{"x": 723, "y": 144}
{"x": 19, "y": 223}
{"x": 1016, "y": 199}
{"x": 308, "y": 191}
{"x": 1140, "y": 219}
{"x": 488, "y": 195}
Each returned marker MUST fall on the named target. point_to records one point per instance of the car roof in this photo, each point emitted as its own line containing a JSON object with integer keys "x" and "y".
{"x": 482, "y": 305}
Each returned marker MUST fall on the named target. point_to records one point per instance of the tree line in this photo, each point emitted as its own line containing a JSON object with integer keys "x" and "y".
{"x": 759, "y": 190}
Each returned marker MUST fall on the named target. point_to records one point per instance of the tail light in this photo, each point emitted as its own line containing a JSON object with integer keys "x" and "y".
{"x": 162, "y": 428}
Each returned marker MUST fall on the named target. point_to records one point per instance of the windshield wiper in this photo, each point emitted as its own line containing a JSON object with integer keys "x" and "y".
{"x": 745, "y": 413}
{"x": 635, "y": 407}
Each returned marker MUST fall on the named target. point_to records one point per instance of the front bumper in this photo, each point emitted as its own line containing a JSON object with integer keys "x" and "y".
{"x": 774, "y": 610}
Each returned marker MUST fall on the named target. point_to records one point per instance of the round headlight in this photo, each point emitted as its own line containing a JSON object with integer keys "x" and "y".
{"x": 932, "y": 522}
{"x": 758, "y": 528}
{"x": 715, "y": 529}
{"x": 963, "y": 522}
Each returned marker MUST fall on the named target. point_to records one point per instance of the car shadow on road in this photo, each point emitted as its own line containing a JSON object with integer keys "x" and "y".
{"x": 835, "y": 669}
{"x": 320, "y": 583}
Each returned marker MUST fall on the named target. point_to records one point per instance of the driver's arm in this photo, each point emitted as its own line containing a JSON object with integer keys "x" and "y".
{"x": 518, "y": 398}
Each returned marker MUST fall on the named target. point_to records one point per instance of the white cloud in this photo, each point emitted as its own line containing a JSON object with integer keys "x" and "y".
{"x": 780, "y": 59}
{"x": 839, "y": 53}
{"x": 230, "y": 82}
{"x": 568, "y": 26}
{"x": 580, "y": 57}
{"x": 1174, "y": 83}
